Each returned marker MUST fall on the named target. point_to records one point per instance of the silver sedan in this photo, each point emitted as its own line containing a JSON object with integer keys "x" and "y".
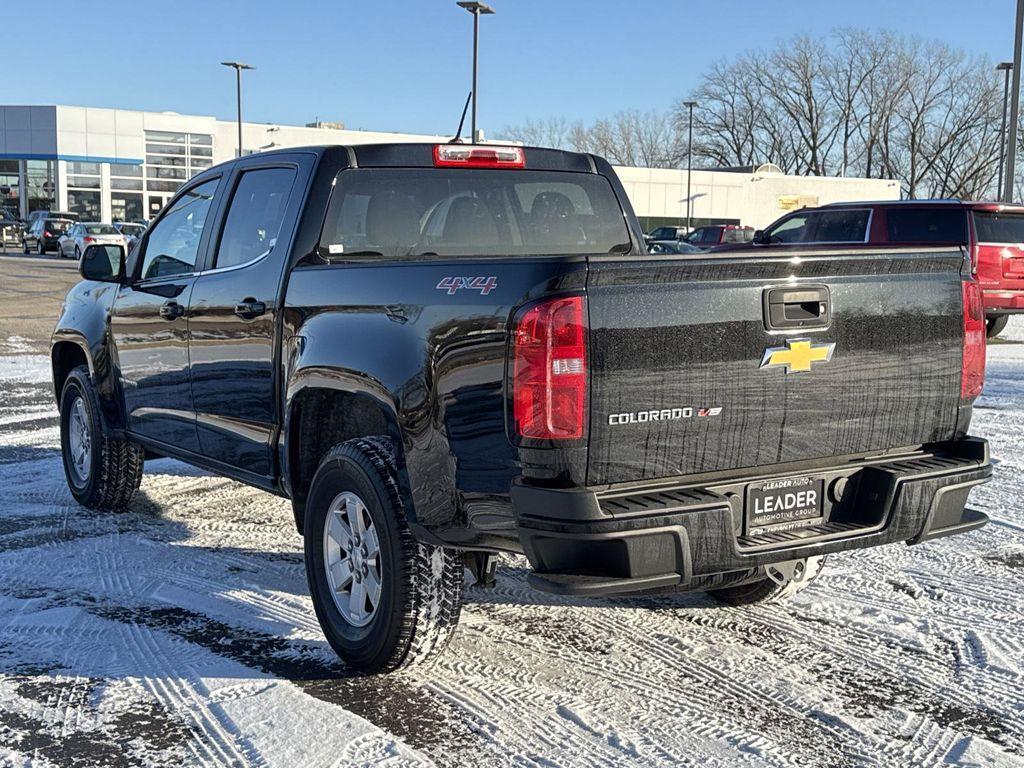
{"x": 86, "y": 233}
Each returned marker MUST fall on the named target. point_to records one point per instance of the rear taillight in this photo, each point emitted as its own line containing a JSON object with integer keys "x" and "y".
{"x": 47, "y": 234}
{"x": 471, "y": 156}
{"x": 972, "y": 375}
{"x": 549, "y": 370}
{"x": 88, "y": 239}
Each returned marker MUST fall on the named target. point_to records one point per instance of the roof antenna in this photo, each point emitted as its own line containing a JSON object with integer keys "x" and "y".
{"x": 457, "y": 139}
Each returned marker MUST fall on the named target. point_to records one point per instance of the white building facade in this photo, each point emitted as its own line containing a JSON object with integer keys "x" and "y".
{"x": 123, "y": 165}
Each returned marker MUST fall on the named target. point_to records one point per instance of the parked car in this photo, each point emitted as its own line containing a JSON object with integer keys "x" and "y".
{"x": 443, "y": 352}
{"x": 44, "y": 233}
{"x": 131, "y": 231}
{"x": 993, "y": 233}
{"x": 718, "y": 234}
{"x": 667, "y": 233}
{"x": 63, "y": 215}
{"x": 81, "y": 234}
{"x": 672, "y": 246}
{"x": 11, "y": 228}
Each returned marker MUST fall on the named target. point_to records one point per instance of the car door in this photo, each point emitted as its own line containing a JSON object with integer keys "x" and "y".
{"x": 233, "y": 315}
{"x": 64, "y": 239}
{"x": 149, "y": 321}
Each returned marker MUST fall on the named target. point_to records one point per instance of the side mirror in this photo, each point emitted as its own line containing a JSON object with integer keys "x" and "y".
{"x": 103, "y": 263}
{"x": 760, "y": 238}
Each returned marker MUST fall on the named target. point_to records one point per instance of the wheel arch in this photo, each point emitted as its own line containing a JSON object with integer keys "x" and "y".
{"x": 322, "y": 412}
{"x": 65, "y": 356}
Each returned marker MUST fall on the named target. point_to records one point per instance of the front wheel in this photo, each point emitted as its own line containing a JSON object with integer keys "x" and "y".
{"x": 782, "y": 581}
{"x": 103, "y": 472}
{"x": 78, "y": 254}
{"x": 384, "y": 600}
{"x": 995, "y": 324}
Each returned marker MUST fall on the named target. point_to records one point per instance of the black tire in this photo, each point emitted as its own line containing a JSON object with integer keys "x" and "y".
{"x": 420, "y": 585}
{"x": 994, "y": 325}
{"x": 24, "y": 246}
{"x": 769, "y": 590}
{"x": 115, "y": 465}
{"x": 42, "y": 248}
{"x": 78, "y": 254}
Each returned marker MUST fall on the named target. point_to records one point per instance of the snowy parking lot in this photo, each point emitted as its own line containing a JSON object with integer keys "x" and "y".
{"x": 181, "y": 632}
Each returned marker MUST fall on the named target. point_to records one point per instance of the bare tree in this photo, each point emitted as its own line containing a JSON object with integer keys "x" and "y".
{"x": 859, "y": 103}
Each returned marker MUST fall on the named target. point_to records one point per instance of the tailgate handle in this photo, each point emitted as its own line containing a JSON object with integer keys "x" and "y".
{"x": 809, "y": 306}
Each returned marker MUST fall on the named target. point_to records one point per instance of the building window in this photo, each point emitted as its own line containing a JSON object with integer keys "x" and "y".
{"x": 85, "y": 204}
{"x": 175, "y": 156}
{"x": 83, "y": 190}
{"x": 10, "y": 187}
{"x": 41, "y": 184}
{"x": 126, "y": 207}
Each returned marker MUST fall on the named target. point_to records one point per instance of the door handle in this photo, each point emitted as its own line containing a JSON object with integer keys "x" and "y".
{"x": 247, "y": 309}
{"x": 171, "y": 310}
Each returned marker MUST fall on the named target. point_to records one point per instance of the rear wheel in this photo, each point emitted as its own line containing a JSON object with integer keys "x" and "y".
{"x": 24, "y": 246}
{"x": 994, "y": 325}
{"x": 103, "y": 472}
{"x": 782, "y": 581}
{"x": 78, "y": 253}
{"x": 42, "y": 248}
{"x": 384, "y": 600}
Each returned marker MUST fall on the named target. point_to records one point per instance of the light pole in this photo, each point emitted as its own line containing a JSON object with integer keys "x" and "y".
{"x": 476, "y": 8}
{"x": 238, "y": 67}
{"x": 689, "y": 162}
{"x": 1006, "y": 66}
{"x": 1011, "y": 143}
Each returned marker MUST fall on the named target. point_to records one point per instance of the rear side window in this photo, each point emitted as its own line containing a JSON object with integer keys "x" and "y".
{"x": 840, "y": 226}
{"x": 409, "y": 212}
{"x": 993, "y": 227}
{"x": 926, "y": 225}
{"x": 254, "y": 219}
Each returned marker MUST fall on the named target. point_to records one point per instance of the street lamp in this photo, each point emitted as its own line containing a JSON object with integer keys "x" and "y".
{"x": 1005, "y": 66}
{"x": 1011, "y": 142}
{"x": 476, "y": 8}
{"x": 238, "y": 67}
{"x": 689, "y": 162}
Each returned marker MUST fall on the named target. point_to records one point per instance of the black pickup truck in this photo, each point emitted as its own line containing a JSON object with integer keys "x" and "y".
{"x": 440, "y": 353}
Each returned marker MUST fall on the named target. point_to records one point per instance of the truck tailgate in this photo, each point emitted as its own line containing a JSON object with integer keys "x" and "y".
{"x": 684, "y": 380}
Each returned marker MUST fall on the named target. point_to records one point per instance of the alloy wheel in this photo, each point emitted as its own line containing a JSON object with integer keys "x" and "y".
{"x": 352, "y": 559}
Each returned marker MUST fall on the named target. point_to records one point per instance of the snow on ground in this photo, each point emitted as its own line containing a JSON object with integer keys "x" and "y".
{"x": 182, "y": 633}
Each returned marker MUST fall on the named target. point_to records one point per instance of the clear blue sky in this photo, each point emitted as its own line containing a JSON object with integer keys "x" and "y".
{"x": 404, "y": 64}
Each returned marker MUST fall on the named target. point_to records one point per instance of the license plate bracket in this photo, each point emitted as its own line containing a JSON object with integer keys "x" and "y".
{"x": 784, "y": 504}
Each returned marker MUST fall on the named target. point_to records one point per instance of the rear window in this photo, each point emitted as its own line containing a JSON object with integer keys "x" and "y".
{"x": 99, "y": 229}
{"x": 993, "y": 227}
{"x": 409, "y": 212}
{"x": 926, "y": 225}
{"x": 58, "y": 225}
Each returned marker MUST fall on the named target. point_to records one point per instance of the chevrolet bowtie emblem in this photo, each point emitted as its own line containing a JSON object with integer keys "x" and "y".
{"x": 797, "y": 355}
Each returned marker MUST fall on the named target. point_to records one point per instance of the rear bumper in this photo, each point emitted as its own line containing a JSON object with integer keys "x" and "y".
{"x": 1003, "y": 302}
{"x": 587, "y": 541}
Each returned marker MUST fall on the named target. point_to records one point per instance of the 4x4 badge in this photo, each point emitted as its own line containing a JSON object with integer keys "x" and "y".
{"x": 797, "y": 355}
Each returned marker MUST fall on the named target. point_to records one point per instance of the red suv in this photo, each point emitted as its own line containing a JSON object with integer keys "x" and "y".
{"x": 992, "y": 232}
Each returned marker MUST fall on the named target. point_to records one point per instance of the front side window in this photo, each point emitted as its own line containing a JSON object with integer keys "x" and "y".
{"x": 409, "y": 212}
{"x": 254, "y": 219}
{"x": 838, "y": 226}
{"x": 792, "y": 230}
{"x": 173, "y": 244}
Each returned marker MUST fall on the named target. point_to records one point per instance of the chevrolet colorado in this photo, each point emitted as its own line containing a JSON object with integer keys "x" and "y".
{"x": 440, "y": 353}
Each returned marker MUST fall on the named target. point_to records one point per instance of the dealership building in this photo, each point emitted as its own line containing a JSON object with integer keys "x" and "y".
{"x": 123, "y": 165}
